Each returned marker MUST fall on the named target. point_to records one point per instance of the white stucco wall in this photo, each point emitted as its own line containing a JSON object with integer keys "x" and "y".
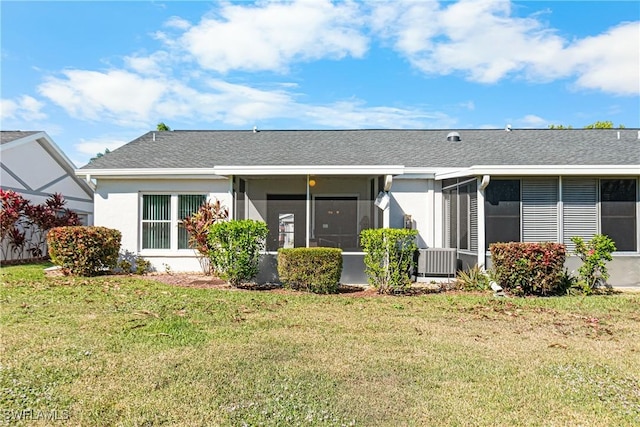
{"x": 117, "y": 205}
{"x": 414, "y": 197}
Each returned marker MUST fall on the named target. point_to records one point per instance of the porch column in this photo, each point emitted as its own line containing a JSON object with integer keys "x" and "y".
{"x": 232, "y": 193}
{"x": 482, "y": 255}
{"x": 308, "y": 214}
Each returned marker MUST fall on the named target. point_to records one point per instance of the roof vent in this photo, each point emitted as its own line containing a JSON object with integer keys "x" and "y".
{"x": 255, "y": 129}
{"x": 507, "y": 128}
{"x": 453, "y": 136}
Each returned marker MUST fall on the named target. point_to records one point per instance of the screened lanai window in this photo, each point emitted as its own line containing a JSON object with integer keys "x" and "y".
{"x": 502, "y": 211}
{"x": 618, "y": 212}
{"x": 162, "y": 216}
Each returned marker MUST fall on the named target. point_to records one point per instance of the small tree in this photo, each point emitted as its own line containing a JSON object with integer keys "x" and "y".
{"x": 162, "y": 127}
{"x": 198, "y": 225}
{"x": 234, "y": 248}
{"x": 594, "y": 256}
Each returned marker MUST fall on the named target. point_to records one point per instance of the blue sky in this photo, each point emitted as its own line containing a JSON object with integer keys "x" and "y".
{"x": 96, "y": 75}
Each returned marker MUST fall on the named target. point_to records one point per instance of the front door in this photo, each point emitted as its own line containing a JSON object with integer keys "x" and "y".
{"x": 286, "y": 219}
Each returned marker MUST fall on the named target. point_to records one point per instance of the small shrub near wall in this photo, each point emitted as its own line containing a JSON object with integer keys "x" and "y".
{"x": 389, "y": 257}
{"x": 317, "y": 270}
{"x": 529, "y": 268}
{"x": 234, "y": 249}
{"x": 84, "y": 251}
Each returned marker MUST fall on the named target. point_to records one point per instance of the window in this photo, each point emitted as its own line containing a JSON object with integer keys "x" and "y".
{"x": 461, "y": 216}
{"x": 187, "y": 205}
{"x": 162, "y": 213}
{"x": 618, "y": 212}
{"x": 502, "y": 211}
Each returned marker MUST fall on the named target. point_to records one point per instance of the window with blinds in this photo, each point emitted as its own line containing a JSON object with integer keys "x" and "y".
{"x": 540, "y": 210}
{"x": 580, "y": 209}
{"x": 156, "y": 221}
{"x": 162, "y": 215}
{"x": 187, "y": 205}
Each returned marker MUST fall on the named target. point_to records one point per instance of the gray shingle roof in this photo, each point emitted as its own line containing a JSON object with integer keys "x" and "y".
{"x": 12, "y": 135}
{"x": 410, "y": 148}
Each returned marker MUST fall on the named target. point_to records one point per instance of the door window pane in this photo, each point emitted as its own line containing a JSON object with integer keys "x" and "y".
{"x": 286, "y": 230}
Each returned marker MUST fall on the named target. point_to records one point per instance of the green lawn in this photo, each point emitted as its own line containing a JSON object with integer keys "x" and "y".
{"x": 130, "y": 351}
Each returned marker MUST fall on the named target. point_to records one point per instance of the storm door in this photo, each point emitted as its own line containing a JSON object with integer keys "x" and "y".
{"x": 286, "y": 219}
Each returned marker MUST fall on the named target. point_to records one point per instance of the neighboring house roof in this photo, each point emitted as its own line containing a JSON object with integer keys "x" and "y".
{"x": 409, "y": 149}
{"x": 21, "y": 169}
{"x": 7, "y": 136}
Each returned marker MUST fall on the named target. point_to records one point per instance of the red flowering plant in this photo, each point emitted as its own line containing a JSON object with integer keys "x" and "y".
{"x": 197, "y": 227}
{"x": 23, "y": 226}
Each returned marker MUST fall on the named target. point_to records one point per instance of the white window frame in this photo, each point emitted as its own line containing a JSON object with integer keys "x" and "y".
{"x": 174, "y": 221}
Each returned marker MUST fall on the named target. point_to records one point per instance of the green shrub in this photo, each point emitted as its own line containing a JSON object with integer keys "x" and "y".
{"x": 234, "y": 248}
{"x": 529, "y": 268}
{"x": 84, "y": 251}
{"x": 317, "y": 270}
{"x": 594, "y": 255}
{"x": 143, "y": 266}
{"x": 473, "y": 279}
{"x": 388, "y": 259}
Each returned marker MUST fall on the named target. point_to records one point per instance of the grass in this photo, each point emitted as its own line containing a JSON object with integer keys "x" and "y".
{"x": 130, "y": 351}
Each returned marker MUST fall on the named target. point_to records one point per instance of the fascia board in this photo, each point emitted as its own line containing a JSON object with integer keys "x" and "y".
{"x": 537, "y": 170}
{"x": 310, "y": 170}
{"x": 158, "y": 173}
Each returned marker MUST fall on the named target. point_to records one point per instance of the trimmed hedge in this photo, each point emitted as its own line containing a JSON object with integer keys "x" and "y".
{"x": 389, "y": 255}
{"x": 234, "y": 249}
{"x": 317, "y": 270}
{"x": 530, "y": 268}
{"x": 84, "y": 251}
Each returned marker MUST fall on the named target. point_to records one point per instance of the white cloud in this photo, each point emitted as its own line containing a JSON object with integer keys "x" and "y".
{"x": 609, "y": 62}
{"x": 25, "y": 108}
{"x": 532, "y": 121}
{"x": 484, "y": 41}
{"x": 354, "y": 114}
{"x": 116, "y": 95}
{"x": 268, "y": 36}
{"x": 154, "y": 64}
{"x": 98, "y": 145}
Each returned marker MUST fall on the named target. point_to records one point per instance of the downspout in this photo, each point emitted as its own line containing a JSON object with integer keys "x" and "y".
{"x": 386, "y": 220}
{"x": 482, "y": 254}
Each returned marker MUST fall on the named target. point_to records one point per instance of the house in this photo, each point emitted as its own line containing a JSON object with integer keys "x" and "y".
{"x": 460, "y": 189}
{"x": 34, "y": 166}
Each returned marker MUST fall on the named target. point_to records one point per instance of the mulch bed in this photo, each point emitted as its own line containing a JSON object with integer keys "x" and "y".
{"x": 201, "y": 281}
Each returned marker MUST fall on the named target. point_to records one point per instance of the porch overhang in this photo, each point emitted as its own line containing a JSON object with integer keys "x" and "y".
{"x": 291, "y": 170}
